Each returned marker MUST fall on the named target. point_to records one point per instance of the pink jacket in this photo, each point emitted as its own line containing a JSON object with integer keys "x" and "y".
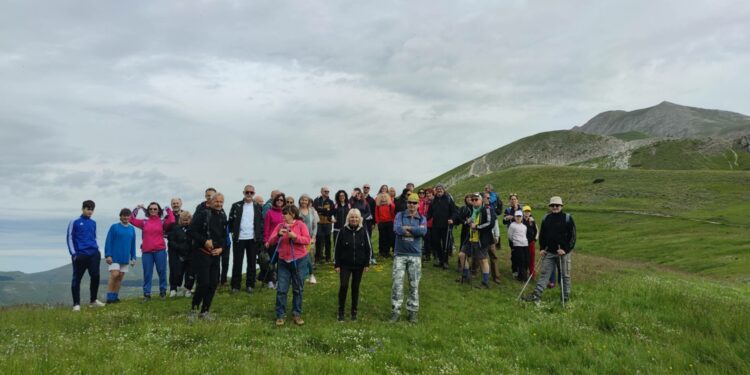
{"x": 272, "y": 219}
{"x": 300, "y": 243}
{"x": 153, "y": 230}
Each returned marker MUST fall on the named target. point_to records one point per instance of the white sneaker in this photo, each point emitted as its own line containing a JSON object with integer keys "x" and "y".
{"x": 77, "y": 308}
{"x": 271, "y": 285}
{"x": 97, "y": 303}
{"x": 312, "y": 279}
{"x": 188, "y": 293}
{"x": 172, "y": 293}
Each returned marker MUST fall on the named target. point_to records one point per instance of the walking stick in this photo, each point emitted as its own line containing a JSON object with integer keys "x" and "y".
{"x": 444, "y": 257}
{"x": 530, "y": 276}
{"x": 562, "y": 281}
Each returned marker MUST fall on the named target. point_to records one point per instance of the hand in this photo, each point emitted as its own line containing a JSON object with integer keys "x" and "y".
{"x": 367, "y": 269}
{"x": 140, "y": 206}
{"x": 473, "y": 225}
{"x": 338, "y": 269}
{"x": 267, "y": 245}
{"x": 109, "y": 260}
{"x": 217, "y": 251}
{"x": 74, "y": 258}
{"x": 292, "y": 235}
{"x": 132, "y": 263}
{"x": 333, "y": 219}
{"x": 543, "y": 252}
{"x": 450, "y": 221}
{"x": 209, "y": 245}
{"x": 560, "y": 252}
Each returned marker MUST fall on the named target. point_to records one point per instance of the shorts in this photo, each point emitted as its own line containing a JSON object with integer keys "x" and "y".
{"x": 473, "y": 249}
{"x": 122, "y": 267}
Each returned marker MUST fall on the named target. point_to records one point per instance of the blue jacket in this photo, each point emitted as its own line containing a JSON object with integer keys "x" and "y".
{"x": 81, "y": 236}
{"x": 409, "y": 245}
{"x": 120, "y": 244}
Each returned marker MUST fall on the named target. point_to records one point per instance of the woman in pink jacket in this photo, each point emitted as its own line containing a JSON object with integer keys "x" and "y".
{"x": 271, "y": 219}
{"x": 292, "y": 238}
{"x": 153, "y": 247}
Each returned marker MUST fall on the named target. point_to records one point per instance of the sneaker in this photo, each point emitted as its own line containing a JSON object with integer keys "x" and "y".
{"x": 496, "y": 280}
{"x": 313, "y": 280}
{"x": 373, "y": 261}
{"x": 444, "y": 266}
{"x": 163, "y": 295}
{"x": 146, "y": 298}
{"x": 172, "y": 293}
{"x": 483, "y": 285}
{"x": 412, "y": 317}
{"x": 279, "y": 322}
{"x": 298, "y": 320}
{"x": 188, "y": 293}
{"x": 206, "y": 316}
{"x": 395, "y": 317}
{"x": 341, "y": 316}
{"x": 192, "y": 315}
{"x": 97, "y": 303}
{"x": 531, "y": 298}
{"x": 551, "y": 285}
{"x": 354, "y": 315}
{"x": 77, "y": 308}
{"x": 271, "y": 285}
{"x": 249, "y": 290}
{"x": 234, "y": 291}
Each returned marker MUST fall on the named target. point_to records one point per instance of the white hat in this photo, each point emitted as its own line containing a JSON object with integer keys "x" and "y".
{"x": 519, "y": 213}
{"x": 555, "y": 200}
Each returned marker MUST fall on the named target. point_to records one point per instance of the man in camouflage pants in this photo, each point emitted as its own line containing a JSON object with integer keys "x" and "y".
{"x": 410, "y": 228}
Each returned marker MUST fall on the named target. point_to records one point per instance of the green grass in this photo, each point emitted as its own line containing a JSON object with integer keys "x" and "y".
{"x": 686, "y": 154}
{"x": 631, "y": 136}
{"x": 651, "y": 294}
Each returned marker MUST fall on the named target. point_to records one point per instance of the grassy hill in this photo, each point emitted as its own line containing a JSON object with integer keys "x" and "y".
{"x": 661, "y": 284}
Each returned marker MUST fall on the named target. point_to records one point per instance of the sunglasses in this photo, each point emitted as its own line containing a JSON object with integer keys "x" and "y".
{"x": 476, "y": 199}
{"x": 555, "y": 205}
{"x": 153, "y": 209}
{"x": 249, "y": 192}
{"x": 412, "y": 202}
{"x": 326, "y": 191}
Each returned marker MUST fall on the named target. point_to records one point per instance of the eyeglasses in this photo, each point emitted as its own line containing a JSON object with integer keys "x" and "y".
{"x": 249, "y": 192}
{"x": 412, "y": 202}
{"x": 280, "y": 200}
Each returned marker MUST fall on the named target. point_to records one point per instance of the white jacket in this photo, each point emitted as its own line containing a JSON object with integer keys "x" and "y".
{"x": 517, "y": 234}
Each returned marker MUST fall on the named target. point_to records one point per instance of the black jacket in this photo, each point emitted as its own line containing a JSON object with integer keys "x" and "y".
{"x": 340, "y": 212}
{"x": 364, "y": 209}
{"x": 558, "y": 230}
{"x": 209, "y": 224}
{"x": 371, "y": 202}
{"x": 510, "y": 210}
{"x": 352, "y": 248}
{"x": 530, "y": 229}
{"x": 235, "y": 218}
{"x": 324, "y": 206}
{"x": 441, "y": 210}
{"x": 179, "y": 240}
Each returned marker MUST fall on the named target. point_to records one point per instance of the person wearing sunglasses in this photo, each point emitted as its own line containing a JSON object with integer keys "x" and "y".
{"x": 557, "y": 239}
{"x": 273, "y": 218}
{"x": 410, "y": 228}
{"x": 153, "y": 247}
{"x": 246, "y": 225}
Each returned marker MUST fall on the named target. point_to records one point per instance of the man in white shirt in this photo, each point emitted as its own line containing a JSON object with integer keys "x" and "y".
{"x": 245, "y": 222}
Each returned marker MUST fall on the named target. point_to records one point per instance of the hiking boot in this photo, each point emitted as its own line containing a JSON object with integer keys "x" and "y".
{"x": 395, "y": 317}
{"x": 412, "y": 317}
{"x": 279, "y": 322}
{"x": 206, "y": 316}
{"x": 188, "y": 293}
{"x": 234, "y": 291}
{"x": 531, "y": 298}
{"x": 341, "y": 316}
{"x": 444, "y": 266}
{"x": 483, "y": 285}
{"x": 496, "y": 280}
{"x": 163, "y": 294}
{"x": 146, "y": 298}
{"x": 298, "y": 320}
{"x": 313, "y": 280}
{"x": 354, "y": 315}
{"x": 96, "y": 303}
{"x": 192, "y": 315}
{"x": 172, "y": 293}
{"x": 373, "y": 261}
{"x": 77, "y": 308}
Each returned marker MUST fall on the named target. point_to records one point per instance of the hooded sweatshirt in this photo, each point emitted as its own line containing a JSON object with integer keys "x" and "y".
{"x": 273, "y": 218}
{"x": 289, "y": 249}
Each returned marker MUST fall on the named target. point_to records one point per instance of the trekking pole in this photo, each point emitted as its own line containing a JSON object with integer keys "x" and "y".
{"x": 530, "y": 276}
{"x": 562, "y": 281}
{"x": 269, "y": 269}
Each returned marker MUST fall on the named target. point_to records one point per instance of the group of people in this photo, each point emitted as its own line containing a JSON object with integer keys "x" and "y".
{"x": 288, "y": 238}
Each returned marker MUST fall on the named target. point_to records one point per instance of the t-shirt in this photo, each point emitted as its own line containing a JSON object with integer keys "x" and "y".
{"x": 247, "y": 224}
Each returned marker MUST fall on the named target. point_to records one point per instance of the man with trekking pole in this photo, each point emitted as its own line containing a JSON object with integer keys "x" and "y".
{"x": 557, "y": 239}
{"x": 442, "y": 211}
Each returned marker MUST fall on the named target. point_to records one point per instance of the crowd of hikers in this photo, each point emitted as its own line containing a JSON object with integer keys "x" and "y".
{"x": 288, "y": 239}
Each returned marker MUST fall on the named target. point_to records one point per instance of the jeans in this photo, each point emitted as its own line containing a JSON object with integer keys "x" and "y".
{"x": 81, "y": 264}
{"x": 240, "y": 249}
{"x": 294, "y": 273}
{"x": 550, "y": 262}
{"x": 158, "y": 258}
{"x": 412, "y": 266}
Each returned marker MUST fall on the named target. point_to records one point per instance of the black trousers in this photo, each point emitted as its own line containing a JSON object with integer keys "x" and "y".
{"x": 225, "y": 264}
{"x": 240, "y": 249}
{"x": 207, "y": 277}
{"x": 439, "y": 243}
{"x": 179, "y": 271}
{"x": 323, "y": 242}
{"x": 81, "y": 264}
{"x": 355, "y": 273}
{"x": 386, "y": 238}
{"x": 519, "y": 259}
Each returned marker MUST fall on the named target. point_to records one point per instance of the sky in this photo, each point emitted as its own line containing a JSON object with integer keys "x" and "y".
{"x": 138, "y": 101}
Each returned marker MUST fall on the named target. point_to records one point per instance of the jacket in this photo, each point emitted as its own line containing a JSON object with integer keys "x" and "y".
{"x": 235, "y": 219}
{"x": 288, "y": 249}
{"x": 209, "y": 225}
{"x": 272, "y": 218}
{"x": 371, "y": 202}
{"x": 340, "y": 212}
{"x": 120, "y": 243}
{"x": 153, "y": 229}
{"x": 81, "y": 236}
{"x": 510, "y": 211}
{"x": 486, "y": 223}
{"x": 441, "y": 210}
{"x": 364, "y": 209}
{"x": 353, "y": 248}
{"x": 179, "y": 241}
{"x": 531, "y": 229}
{"x": 324, "y": 206}
{"x": 517, "y": 234}
{"x": 385, "y": 213}
{"x": 311, "y": 220}
{"x": 424, "y": 206}
{"x": 558, "y": 230}
{"x": 409, "y": 245}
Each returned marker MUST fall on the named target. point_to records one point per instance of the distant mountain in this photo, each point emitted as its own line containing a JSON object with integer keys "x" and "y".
{"x": 670, "y": 120}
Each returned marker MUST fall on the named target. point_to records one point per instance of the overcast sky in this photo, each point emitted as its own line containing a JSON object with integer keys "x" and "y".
{"x": 126, "y": 102}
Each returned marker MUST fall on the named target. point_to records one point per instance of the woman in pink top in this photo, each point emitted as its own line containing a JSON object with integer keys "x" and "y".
{"x": 272, "y": 218}
{"x": 153, "y": 247}
{"x": 292, "y": 238}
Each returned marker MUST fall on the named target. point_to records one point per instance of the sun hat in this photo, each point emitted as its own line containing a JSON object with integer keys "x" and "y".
{"x": 555, "y": 200}
{"x": 526, "y": 208}
{"x": 413, "y": 198}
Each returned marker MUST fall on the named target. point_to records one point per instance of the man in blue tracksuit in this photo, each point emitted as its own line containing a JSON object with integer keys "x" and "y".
{"x": 85, "y": 255}
{"x": 410, "y": 228}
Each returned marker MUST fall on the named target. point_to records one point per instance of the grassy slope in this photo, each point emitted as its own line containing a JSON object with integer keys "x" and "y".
{"x": 684, "y": 154}
{"x": 631, "y": 136}
{"x": 626, "y": 316}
